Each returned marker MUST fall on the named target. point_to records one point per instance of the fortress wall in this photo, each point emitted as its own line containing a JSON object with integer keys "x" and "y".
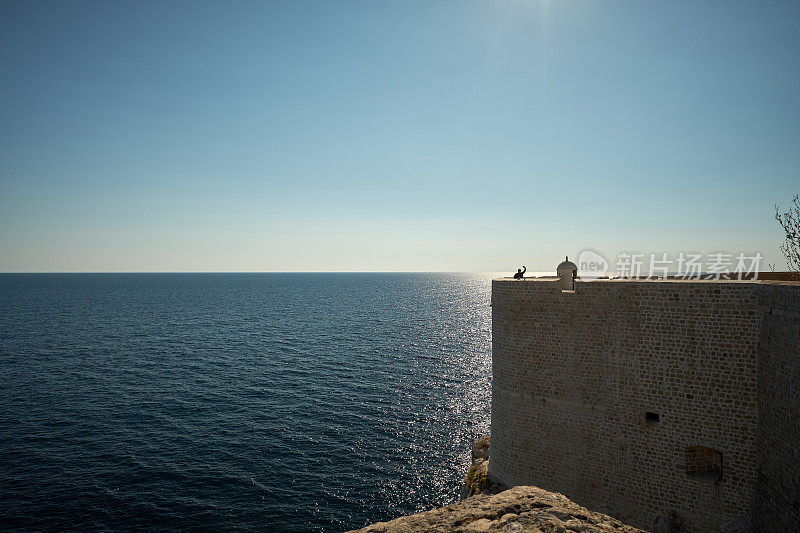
{"x": 575, "y": 373}
{"x": 776, "y": 504}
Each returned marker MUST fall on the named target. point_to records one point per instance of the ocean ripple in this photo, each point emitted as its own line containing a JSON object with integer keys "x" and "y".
{"x": 286, "y": 402}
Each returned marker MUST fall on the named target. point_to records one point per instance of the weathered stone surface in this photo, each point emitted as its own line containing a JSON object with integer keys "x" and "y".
{"x": 519, "y": 509}
{"x": 670, "y": 522}
{"x": 477, "y": 479}
{"x": 776, "y": 500}
{"x": 646, "y": 397}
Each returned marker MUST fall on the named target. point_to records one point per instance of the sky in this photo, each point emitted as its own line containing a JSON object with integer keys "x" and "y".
{"x": 393, "y": 135}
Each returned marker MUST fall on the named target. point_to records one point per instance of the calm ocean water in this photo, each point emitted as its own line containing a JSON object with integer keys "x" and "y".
{"x": 274, "y": 402}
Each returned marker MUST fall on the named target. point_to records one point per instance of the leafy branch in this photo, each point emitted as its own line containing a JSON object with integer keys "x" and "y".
{"x": 790, "y": 222}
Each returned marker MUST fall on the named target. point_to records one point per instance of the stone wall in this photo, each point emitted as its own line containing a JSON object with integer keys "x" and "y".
{"x": 776, "y": 502}
{"x": 634, "y": 398}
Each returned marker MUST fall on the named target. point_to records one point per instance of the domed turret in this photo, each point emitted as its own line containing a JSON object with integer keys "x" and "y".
{"x": 567, "y": 271}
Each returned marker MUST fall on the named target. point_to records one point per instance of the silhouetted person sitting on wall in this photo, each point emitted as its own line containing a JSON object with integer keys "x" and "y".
{"x": 520, "y": 273}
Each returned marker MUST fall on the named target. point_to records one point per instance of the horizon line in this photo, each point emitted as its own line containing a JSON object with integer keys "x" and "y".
{"x": 264, "y": 272}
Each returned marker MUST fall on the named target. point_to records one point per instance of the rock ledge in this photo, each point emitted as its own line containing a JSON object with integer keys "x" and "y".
{"x": 520, "y": 509}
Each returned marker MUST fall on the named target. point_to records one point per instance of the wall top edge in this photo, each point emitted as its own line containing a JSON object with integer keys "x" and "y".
{"x": 656, "y": 281}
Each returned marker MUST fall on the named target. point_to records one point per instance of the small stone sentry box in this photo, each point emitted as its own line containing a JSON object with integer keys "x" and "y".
{"x": 567, "y": 271}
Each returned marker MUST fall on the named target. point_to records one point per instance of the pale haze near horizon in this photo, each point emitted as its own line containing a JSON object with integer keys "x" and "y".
{"x": 391, "y": 136}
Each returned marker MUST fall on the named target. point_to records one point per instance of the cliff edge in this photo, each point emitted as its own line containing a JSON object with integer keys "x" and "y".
{"x": 521, "y": 509}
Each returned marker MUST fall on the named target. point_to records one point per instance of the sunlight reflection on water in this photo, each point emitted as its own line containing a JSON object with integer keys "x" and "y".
{"x": 243, "y": 401}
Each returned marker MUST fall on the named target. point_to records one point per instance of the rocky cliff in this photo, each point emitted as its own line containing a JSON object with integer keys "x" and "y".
{"x": 477, "y": 479}
{"x": 521, "y": 509}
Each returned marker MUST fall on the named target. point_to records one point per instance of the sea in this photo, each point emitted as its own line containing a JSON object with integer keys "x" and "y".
{"x": 269, "y": 402}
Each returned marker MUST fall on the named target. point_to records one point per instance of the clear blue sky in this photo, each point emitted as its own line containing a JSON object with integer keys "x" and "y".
{"x": 431, "y": 135}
